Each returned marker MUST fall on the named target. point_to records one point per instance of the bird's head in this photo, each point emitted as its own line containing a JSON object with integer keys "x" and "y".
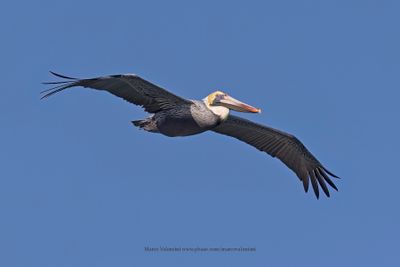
{"x": 219, "y": 102}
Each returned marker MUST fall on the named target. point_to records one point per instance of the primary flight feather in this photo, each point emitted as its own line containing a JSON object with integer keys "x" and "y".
{"x": 173, "y": 116}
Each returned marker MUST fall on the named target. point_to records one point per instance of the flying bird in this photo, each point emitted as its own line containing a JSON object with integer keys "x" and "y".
{"x": 172, "y": 116}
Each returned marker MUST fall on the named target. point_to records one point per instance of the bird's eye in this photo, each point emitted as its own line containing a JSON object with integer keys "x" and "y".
{"x": 219, "y": 97}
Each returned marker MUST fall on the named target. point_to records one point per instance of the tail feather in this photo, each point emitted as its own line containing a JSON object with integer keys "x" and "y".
{"x": 138, "y": 123}
{"x": 147, "y": 125}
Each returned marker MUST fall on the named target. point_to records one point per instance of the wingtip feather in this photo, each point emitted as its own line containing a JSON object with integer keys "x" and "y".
{"x": 62, "y": 76}
{"x": 327, "y": 179}
{"x": 331, "y": 174}
{"x": 314, "y": 183}
{"x": 321, "y": 182}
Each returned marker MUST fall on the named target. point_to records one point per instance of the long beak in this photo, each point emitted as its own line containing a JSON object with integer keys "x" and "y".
{"x": 235, "y": 104}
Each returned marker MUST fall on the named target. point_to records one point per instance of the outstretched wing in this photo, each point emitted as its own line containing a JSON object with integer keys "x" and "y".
{"x": 130, "y": 87}
{"x": 282, "y": 145}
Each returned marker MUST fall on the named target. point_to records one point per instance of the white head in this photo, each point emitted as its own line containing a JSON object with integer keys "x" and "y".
{"x": 220, "y": 103}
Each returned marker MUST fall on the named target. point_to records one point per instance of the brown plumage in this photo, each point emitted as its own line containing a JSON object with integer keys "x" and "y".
{"x": 176, "y": 116}
{"x": 284, "y": 146}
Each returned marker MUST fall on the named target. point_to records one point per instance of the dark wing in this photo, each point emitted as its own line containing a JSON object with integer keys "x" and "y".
{"x": 282, "y": 145}
{"x": 130, "y": 87}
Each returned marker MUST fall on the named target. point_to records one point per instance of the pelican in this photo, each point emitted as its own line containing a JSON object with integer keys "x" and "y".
{"x": 174, "y": 116}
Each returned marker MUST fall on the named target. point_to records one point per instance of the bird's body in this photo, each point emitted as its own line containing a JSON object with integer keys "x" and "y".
{"x": 174, "y": 116}
{"x": 187, "y": 119}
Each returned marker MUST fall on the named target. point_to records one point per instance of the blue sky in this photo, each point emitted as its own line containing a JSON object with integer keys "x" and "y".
{"x": 80, "y": 186}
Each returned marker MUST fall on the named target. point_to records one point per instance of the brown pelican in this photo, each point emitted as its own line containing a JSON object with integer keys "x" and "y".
{"x": 172, "y": 116}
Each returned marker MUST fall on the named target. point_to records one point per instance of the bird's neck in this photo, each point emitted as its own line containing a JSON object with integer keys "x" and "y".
{"x": 220, "y": 111}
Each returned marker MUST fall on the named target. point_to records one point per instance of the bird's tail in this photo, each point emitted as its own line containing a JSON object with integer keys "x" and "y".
{"x": 138, "y": 123}
{"x": 147, "y": 125}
